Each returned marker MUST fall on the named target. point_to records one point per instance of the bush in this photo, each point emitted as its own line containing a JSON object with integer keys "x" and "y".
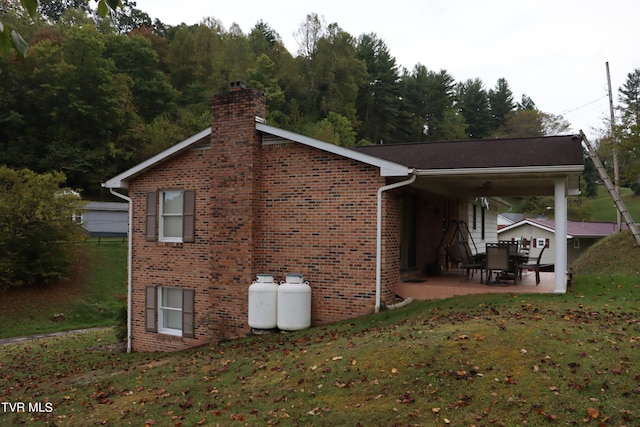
{"x": 121, "y": 326}
{"x": 37, "y": 230}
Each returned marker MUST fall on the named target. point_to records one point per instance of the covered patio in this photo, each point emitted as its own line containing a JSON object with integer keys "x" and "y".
{"x": 476, "y": 169}
{"x": 449, "y": 284}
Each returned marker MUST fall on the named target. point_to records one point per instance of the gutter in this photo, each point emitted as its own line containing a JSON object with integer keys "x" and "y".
{"x": 379, "y": 233}
{"x": 129, "y": 264}
{"x": 544, "y": 170}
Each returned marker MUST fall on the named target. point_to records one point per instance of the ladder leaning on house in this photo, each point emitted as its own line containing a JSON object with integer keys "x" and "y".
{"x": 613, "y": 192}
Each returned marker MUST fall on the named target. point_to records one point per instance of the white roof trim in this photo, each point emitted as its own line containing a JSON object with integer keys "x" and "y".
{"x": 387, "y": 168}
{"x": 121, "y": 180}
{"x": 532, "y": 223}
{"x": 547, "y": 170}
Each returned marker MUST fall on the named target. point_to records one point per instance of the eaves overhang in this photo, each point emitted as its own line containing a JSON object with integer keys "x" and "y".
{"x": 122, "y": 180}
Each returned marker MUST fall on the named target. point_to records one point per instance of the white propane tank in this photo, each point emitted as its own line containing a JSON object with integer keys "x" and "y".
{"x": 294, "y": 303}
{"x": 263, "y": 300}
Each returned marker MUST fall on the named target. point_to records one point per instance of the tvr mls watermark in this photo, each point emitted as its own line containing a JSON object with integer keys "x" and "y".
{"x": 31, "y": 407}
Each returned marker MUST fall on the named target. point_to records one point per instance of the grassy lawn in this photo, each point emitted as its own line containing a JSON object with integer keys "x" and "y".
{"x": 498, "y": 359}
{"x": 603, "y": 208}
{"x": 483, "y": 360}
{"x": 91, "y": 297}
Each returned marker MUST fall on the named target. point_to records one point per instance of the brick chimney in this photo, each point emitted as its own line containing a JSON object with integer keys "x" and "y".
{"x": 236, "y": 174}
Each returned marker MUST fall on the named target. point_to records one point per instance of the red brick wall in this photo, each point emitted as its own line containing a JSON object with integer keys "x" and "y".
{"x": 278, "y": 209}
{"x": 219, "y": 265}
{"x": 318, "y": 218}
{"x": 236, "y": 174}
{"x": 172, "y": 264}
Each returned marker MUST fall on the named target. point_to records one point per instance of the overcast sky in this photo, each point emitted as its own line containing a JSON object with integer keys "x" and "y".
{"x": 554, "y": 51}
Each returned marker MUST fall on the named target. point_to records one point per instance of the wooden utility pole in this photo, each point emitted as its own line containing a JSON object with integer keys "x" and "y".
{"x": 615, "y": 194}
{"x": 616, "y": 174}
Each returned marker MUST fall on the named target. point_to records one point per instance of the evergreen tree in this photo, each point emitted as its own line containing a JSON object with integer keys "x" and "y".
{"x": 378, "y": 102}
{"x": 501, "y": 102}
{"x": 430, "y": 98}
{"x": 473, "y": 102}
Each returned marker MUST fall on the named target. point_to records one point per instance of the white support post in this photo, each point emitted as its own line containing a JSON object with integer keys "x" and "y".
{"x": 561, "y": 268}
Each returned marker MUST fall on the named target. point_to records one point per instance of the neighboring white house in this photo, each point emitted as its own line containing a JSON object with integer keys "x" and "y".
{"x": 541, "y": 232}
{"x": 106, "y": 219}
{"x": 507, "y": 218}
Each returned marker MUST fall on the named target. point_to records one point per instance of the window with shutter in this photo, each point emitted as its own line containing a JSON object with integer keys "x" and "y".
{"x": 175, "y": 311}
{"x": 177, "y": 216}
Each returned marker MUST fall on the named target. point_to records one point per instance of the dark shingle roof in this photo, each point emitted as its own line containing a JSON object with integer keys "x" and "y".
{"x": 486, "y": 153}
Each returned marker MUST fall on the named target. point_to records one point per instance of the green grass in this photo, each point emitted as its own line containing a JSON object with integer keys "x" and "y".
{"x": 91, "y": 297}
{"x": 485, "y": 360}
{"x": 603, "y": 209}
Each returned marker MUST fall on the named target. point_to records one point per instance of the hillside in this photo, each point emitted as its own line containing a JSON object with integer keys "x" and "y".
{"x": 615, "y": 255}
{"x": 602, "y": 207}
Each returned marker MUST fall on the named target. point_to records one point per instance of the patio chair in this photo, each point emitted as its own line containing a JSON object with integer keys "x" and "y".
{"x": 512, "y": 244}
{"x": 498, "y": 261}
{"x": 470, "y": 263}
{"x": 525, "y": 248}
{"x": 535, "y": 265}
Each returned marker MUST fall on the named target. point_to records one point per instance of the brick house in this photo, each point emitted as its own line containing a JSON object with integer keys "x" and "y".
{"x": 243, "y": 198}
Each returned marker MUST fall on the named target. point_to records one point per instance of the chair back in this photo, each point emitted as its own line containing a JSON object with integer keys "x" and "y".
{"x": 511, "y": 244}
{"x": 497, "y": 257}
{"x": 540, "y": 256}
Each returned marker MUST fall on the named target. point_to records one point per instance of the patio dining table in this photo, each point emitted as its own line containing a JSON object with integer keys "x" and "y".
{"x": 503, "y": 259}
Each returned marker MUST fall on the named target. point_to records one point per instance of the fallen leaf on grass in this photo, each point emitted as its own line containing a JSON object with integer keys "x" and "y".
{"x": 593, "y": 413}
{"x": 405, "y": 398}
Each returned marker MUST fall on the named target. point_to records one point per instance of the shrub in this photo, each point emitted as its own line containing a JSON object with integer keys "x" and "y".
{"x": 121, "y": 328}
{"x": 37, "y": 230}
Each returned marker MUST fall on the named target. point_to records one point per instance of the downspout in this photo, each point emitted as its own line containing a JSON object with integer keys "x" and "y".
{"x": 379, "y": 234}
{"x": 129, "y": 264}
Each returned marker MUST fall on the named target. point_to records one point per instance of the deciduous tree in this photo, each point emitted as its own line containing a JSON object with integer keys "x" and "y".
{"x": 37, "y": 230}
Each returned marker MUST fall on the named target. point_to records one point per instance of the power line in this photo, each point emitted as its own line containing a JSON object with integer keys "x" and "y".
{"x": 584, "y": 105}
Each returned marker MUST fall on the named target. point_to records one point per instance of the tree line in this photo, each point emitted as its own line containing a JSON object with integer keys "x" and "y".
{"x": 94, "y": 96}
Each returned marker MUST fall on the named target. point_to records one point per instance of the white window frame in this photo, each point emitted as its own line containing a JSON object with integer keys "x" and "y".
{"x": 162, "y": 216}
{"x": 541, "y": 242}
{"x": 161, "y": 311}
